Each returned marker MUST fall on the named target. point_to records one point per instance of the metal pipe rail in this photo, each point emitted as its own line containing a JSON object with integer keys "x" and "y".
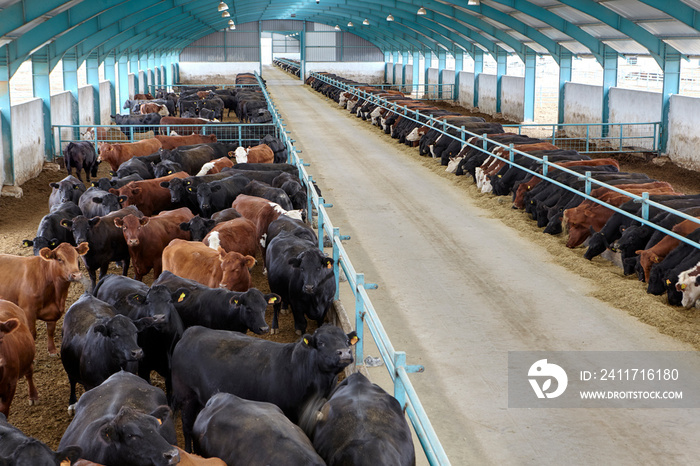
{"x": 364, "y": 310}
{"x": 435, "y": 124}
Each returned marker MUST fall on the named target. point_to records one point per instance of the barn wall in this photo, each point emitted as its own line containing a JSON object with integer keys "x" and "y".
{"x": 28, "y": 139}
{"x": 409, "y": 78}
{"x": 105, "y": 102}
{"x": 143, "y": 82}
{"x": 683, "y": 135}
{"x": 86, "y": 105}
{"x": 583, "y": 103}
{"x": 365, "y": 72}
{"x": 64, "y": 108}
{"x": 466, "y": 89}
{"x": 487, "y": 93}
{"x": 398, "y": 72}
{"x": 132, "y": 86}
{"x": 389, "y": 73}
{"x": 2, "y": 159}
{"x": 512, "y": 98}
{"x": 448, "y": 80}
{"x": 632, "y": 106}
{"x": 214, "y": 73}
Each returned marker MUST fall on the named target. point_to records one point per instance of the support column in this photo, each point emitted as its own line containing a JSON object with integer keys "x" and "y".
{"x": 459, "y": 66}
{"x": 387, "y": 58}
{"x": 416, "y": 72}
{"x": 564, "y": 77}
{"x": 530, "y": 79}
{"x": 93, "y": 79}
{"x": 123, "y": 84}
{"x": 609, "y": 80}
{"x": 404, "y": 63}
{"x": 111, "y": 76}
{"x": 442, "y": 62}
{"x": 42, "y": 89}
{"x": 70, "y": 81}
{"x": 6, "y": 118}
{"x": 134, "y": 69}
{"x": 672, "y": 83}
{"x": 393, "y": 67}
{"x": 501, "y": 70}
{"x": 428, "y": 61}
{"x": 302, "y": 55}
{"x": 478, "y": 69}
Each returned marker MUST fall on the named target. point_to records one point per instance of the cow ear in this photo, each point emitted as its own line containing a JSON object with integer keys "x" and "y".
{"x": 209, "y": 223}
{"x": 162, "y": 413}
{"x": 215, "y": 188}
{"x": 54, "y": 185}
{"x": 94, "y": 221}
{"x": 136, "y": 190}
{"x": 622, "y": 228}
{"x": 101, "y": 328}
{"x": 184, "y": 226}
{"x": 143, "y": 323}
{"x": 295, "y": 261}
{"x": 119, "y": 222}
{"x": 108, "y": 433}
{"x": 249, "y": 261}
{"x": 328, "y": 262}
{"x": 165, "y": 184}
{"x": 122, "y": 199}
{"x": 309, "y": 340}
{"x": 180, "y": 295}
{"x": 46, "y": 254}
{"x": 53, "y": 243}
{"x": 273, "y": 298}
{"x": 65, "y": 223}
{"x": 136, "y": 299}
{"x": 353, "y": 338}
{"x": 114, "y": 191}
{"x": 144, "y": 221}
{"x": 27, "y": 243}
{"x": 70, "y": 454}
{"x": 82, "y": 248}
{"x": 9, "y": 326}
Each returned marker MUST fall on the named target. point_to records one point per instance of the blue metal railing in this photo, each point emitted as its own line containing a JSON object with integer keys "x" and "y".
{"x": 364, "y": 310}
{"x": 481, "y": 142}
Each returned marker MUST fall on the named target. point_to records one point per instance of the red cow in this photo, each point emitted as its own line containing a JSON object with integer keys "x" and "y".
{"x": 659, "y": 251}
{"x": 148, "y": 195}
{"x": 147, "y": 237}
{"x": 212, "y": 268}
{"x": 16, "y": 354}
{"x": 238, "y": 235}
{"x": 39, "y": 284}
{"x": 258, "y": 154}
{"x": 173, "y": 122}
{"x": 171, "y": 142}
{"x": 152, "y": 107}
{"x": 146, "y": 96}
{"x": 261, "y": 212}
{"x": 116, "y": 154}
{"x": 215, "y": 166}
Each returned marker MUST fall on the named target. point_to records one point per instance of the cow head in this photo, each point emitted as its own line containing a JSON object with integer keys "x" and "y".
{"x": 204, "y": 194}
{"x": 8, "y": 326}
{"x": 596, "y": 244}
{"x": 67, "y": 189}
{"x": 314, "y": 269}
{"x": 63, "y": 261}
{"x": 178, "y": 189}
{"x": 35, "y": 453}
{"x": 198, "y": 227}
{"x": 241, "y": 155}
{"x": 121, "y": 332}
{"x": 159, "y": 304}
{"x": 128, "y": 195}
{"x": 106, "y": 150}
{"x": 133, "y": 438}
{"x": 40, "y": 243}
{"x": 332, "y": 347}
{"x": 251, "y": 306}
{"x": 131, "y": 228}
{"x": 687, "y": 284}
{"x": 235, "y": 269}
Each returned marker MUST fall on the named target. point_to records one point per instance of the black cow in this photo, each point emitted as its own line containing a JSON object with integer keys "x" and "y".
{"x": 285, "y": 167}
{"x": 106, "y": 184}
{"x": 266, "y": 176}
{"x": 18, "y": 449}
{"x": 167, "y": 167}
{"x": 136, "y": 300}
{"x": 190, "y": 158}
{"x": 142, "y": 122}
{"x": 183, "y": 191}
{"x": 302, "y": 275}
{"x": 662, "y": 275}
{"x": 264, "y": 190}
{"x": 97, "y": 342}
{"x": 135, "y": 166}
{"x": 226, "y": 214}
{"x": 207, "y": 361}
{"x": 81, "y": 156}
{"x": 228, "y": 424}
{"x": 50, "y": 232}
{"x": 294, "y": 226}
{"x": 217, "y": 307}
{"x": 199, "y": 227}
{"x": 105, "y": 239}
{"x": 124, "y": 421}
{"x": 361, "y": 424}
{"x": 96, "y": 202}
{"x": 69, "y": 188}
{"x": 218, "y": 195}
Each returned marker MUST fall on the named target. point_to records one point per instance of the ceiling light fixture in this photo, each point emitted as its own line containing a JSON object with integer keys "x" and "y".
{"x": 390, "y": 18}
{"x": 231, "y": 23}
{"x": 318, "y": 1}
{"x": 222, "y": 6}
{"x": 421, "y": 11}
{"x": 350, "y": 24}
{"x": 337, "y": 28}
{"x": 473, "y": 2}
{"x": 365, "y": 22}
{"x": 225, "y": 14}
{"x": 232, "y": 27}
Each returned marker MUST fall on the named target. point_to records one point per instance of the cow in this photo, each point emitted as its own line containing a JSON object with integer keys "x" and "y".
{"x": 166, "y": 167}
{"x": 226, "y": 214}
{"x": 212, "y": 267}
{"x": 190, "y": 459}
{"x": 50, "y": 232}
{"x": 215, "y": 166}
{"x": 361, "y": 424}
{"x": 97, "y": 342}
{"x": 81, "y": 156}
{"x": 302, "y": 275}
{"x": 191, "y": 158}
{"x": 123, "y": 421}
{"x": 198, "y": 227}
{"x": 97, "y": 203}
{"x": 134, "y": 166}
{"x": 261, "y": 212}
{"x": 292, "y": 225}
{"x": 182, "y": 126}
{"x": 688, "y": 284}
{"x": 237, "y": 235}
{"x": 219, "y": 194}
{"x": 106, "y": 242}
{"x": 147, "y": 124}
{"x": 69, "y": 188}
{"x": 39, "y": 284}
{"x": 207, "y": 361}
{"x": 146, "y": 238}
{"x": 149, "y": 196}
{"x": 16, "y": 356}
{"x": 257, "y": 154}
{"x": 152, "y": 107}
{"x": 171, "y": 142}
{"x": 146, "y": 96}
{"x": 218, "y": 308}
{"x": 106, "y": 184}
{"x": 116, "y": 154}
{"x": 264, "y": 190}
{"x": 18, "y": 449}
{"x": 136, "y": 300}
{"x": 657, "y": 253}
{"x": 228, "y": 424}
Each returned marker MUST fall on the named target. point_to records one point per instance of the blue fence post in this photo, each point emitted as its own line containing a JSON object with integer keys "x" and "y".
{"x": 320, "y": 221}
{"x": 545, "y": 165}
{"x": 336, "y": 262}
{"x": 645, "y": 206}
{"x": 399, "y": 387}
{"x": 359, "y": 314}
{"x": 588, "y": 182}
{"x": 309, "y": 203}
{"x": 511, "y": 155}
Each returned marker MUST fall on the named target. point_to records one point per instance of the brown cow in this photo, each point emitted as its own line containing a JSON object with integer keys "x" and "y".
{"x": 147, "y": 237}
{"x": 657, "y": 253}
{"x": 171, "y": 142}
{"x": 238, "y": 235}
{"x": 39, "y": 284}
{"x": 190, "y": 459}
{"x": 147, "y": 195}
{"x": 146, "y": 96}
{"x": 152, "y": 107}
{"x": 116, "y": 154}
{"x": 257, "y": 154}
{"x": 214, "y": 268}
{"x": 215, "y": 166}
{"x": 260, "y": 211}
{"x": 16, "y": 354}
{"x": 173, "y": 122}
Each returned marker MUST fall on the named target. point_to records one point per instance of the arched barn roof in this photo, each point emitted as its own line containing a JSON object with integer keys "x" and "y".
{"x": 581, "y": 27}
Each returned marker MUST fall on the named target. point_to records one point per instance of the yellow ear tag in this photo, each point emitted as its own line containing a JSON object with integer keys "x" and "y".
{"x": 668, "y": 282}
{"x": 160, "y": 423}
{"x": 182, "y": 297}
{"x": 272, "y": 300}
{"x": 306, "y": 341}
{"x": 235, "y": 301}
{"x": 354, "y": 340}
{"x": 683, "y": 286}
{"x": 65, "y": 463}
{"x": 329, "y": 266}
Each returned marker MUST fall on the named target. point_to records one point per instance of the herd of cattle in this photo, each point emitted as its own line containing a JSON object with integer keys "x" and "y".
{"x": 290, "y": 66}
{"x": 665, "y": 263}
{"x": 198, "y": 220}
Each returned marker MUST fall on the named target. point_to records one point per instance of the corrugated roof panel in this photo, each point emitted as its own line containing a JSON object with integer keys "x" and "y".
{"x": 518, "y": 36}
{"x": 545, "y": 3}
{"x": 573, "y": 15}
{"x": 685, "y": 46}
{"x": 671, "y": 28}
{"x": 692, "y": 3}
{"x": 603, "y": 31}
{"x": 506, "y": 47}
{"x": 626, "y": 47}
{"x": 494, "y": 23}
{"x": 537, "y": 47}
{"x": 529, "y": 20}
{"x": 214, "y": 39}
{"x": 282, "y": 25}
{"x": 634, "y": 9}
{"x": 554, "y": 34}
{"x": 498, "y": 6}
{"x": 575, "y": 47}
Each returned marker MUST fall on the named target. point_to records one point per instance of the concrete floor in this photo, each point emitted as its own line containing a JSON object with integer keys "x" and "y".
{"x": 458, "y": 291}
